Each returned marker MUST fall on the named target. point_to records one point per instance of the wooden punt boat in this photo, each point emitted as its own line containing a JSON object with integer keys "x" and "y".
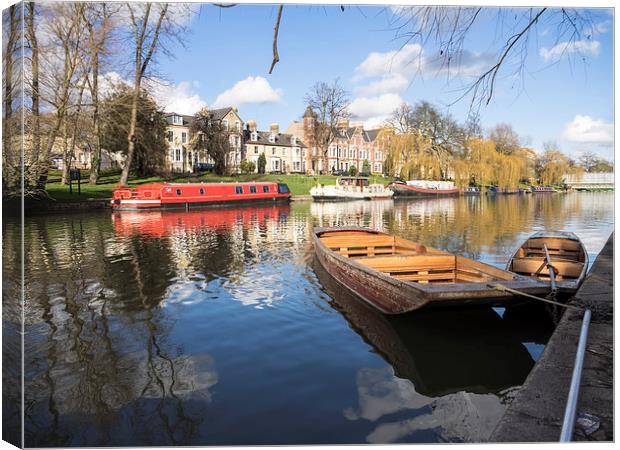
{"x": 397, "y": 276}
{"x": 437, "y": 351}
{"x": 568, "y": 255}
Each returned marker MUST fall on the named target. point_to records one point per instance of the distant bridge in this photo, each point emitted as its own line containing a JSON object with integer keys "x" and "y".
{"x": 590, "y": 181}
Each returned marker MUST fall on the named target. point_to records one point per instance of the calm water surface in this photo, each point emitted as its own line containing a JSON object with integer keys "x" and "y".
{"x": 216, "y": 326}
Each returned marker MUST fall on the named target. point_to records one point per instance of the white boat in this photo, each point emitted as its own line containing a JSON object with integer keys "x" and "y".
{"x": 350, "y": 188}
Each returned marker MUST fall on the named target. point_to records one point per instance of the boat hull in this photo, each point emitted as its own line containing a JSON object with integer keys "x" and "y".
{"x": 559, "y": 244}
{"x": 403, "y": 190}
{"x": 393, "y": 296}
{"x": 187, "y": 196}
{"x": 128, "y": 206}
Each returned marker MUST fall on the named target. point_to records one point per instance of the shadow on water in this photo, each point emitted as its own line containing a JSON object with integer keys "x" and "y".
{"x": 444, "y": 351}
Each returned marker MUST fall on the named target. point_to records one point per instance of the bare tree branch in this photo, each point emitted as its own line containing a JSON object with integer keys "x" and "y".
{"x": 276, "y": 57}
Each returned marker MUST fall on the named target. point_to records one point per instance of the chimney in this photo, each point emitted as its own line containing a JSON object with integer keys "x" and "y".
{"x": 252, "y": 125}
{"x": 274, "y": 128}
{"x": 343, "y": 123}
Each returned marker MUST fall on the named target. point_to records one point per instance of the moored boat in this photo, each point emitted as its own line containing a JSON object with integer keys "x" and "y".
{"x": 194, "y": 195}
{"x": 423, "y": 188}
{"x": 397, "y": 276}
{"x": 568, "y": 255}
{"x": 494, "y": 190}
{"x": 543, "y": 189}
{"x": 350, "y": 188}
{"x": 471, "y": 190}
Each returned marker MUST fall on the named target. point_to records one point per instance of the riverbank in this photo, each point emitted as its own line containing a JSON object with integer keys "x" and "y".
{"x": 298, "y": 184}
{"x": 536, "y": 413}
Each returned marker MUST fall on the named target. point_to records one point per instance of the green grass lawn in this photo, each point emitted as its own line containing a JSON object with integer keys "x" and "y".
{"x": 298, "y": 184}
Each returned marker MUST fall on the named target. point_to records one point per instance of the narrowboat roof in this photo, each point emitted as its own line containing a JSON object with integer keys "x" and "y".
{"x": 160, "y": 185}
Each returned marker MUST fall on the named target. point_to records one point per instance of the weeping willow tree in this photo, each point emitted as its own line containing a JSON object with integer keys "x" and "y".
{"x": 552, "y": 166}
{"x": 409, "y": 156}
{"x": 483, "y": 164}
{"x": 509, "y": 170}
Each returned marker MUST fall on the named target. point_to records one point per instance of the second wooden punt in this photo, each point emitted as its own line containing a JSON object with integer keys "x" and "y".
{"x": 397, "y": 276}
{"x": 568, "y": 255}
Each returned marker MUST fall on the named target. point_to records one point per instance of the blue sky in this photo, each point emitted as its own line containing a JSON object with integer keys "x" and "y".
{"x": 228, "y": 53}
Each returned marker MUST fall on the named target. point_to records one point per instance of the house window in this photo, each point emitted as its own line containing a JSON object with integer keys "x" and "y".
{"x": 225, "y": 123}
{"x": 238, "y": 126}
{"x": 239, "y": 189}
{"x": 184, "y": 137}
{"x": 273, "y": 150}
{"x": 254, "y": 136}
{"x": 272, "y": 137}
{"x": 252, "y": 189}
{"x": 293, "y": 140}
{"x": 177, "y": 120}
{"x": 377, "y": 155}
{"x": 256, "y": 149}
{"x": 265, "y": 188}
{"x": 170, "y": 135}
{"x": 297, "y": 151}
{"x": 178, "y": 154}
{"x": 283, "y": 152}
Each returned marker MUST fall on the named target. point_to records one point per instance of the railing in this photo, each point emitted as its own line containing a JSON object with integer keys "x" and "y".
{"x": 570, "y": 412}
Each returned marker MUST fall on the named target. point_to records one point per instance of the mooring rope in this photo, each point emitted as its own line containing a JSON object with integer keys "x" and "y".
{"x": 501, "y": 287}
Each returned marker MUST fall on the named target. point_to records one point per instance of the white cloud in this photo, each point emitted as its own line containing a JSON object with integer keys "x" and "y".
{"x": 250, "y": 90}
{"x": 586, "y": 130}
{"x": 389, "y": 83}
{"x": 394, "y": 70}
{"x": 403, "y": 62}
{"x": 374, "y": 110}
{"x": 581, "y": 47}
{"x": 181, "y": 98}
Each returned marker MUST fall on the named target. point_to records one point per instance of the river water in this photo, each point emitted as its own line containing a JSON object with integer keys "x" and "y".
{"x": 217, "y": 327}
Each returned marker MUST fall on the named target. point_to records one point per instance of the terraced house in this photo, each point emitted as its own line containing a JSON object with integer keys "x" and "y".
{"x": 350, "y": 147}
{"x": 284, "y": 152}
{"x": 181, "y": 158}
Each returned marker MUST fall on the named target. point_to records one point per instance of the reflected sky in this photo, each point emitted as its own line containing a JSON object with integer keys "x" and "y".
{"x": 214, "y": 327}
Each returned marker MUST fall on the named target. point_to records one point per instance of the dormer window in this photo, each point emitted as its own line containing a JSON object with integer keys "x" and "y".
{"x": 177, "y": 120}
{"x": 293, "y": 140}
{"x": 272, "y": 137}
{"x": 254, "y": 136}
{"x": 343, "y": 132}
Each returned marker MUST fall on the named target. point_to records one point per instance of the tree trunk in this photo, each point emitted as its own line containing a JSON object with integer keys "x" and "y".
{"x": 65, "y": 155}
{"x": 131, "y": 137}
{"x": 34, "y": 46}
{"x": 11, "y": 173}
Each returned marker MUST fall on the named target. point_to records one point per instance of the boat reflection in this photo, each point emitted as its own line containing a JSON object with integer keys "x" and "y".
{"x": 447, "y": 351}
{"x": 165, "y": 223}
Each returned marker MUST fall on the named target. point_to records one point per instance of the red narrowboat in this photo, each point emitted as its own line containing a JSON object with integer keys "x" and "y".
{"x": 196, "y": 195}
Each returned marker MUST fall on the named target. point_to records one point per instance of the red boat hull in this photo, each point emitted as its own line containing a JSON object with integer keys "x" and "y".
{"x": 198, "y": 195}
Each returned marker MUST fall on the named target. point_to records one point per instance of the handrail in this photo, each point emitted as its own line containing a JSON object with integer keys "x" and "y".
{"x": 573, "y": 394}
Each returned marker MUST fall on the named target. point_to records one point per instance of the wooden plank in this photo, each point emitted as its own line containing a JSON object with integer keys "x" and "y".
{"x": 554, "y": 243}
{"x": 426, "y": 277}
{"x": 530, "y": 266}
{"x": 335, "y": 242}
{"x": 410, "y": 263}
